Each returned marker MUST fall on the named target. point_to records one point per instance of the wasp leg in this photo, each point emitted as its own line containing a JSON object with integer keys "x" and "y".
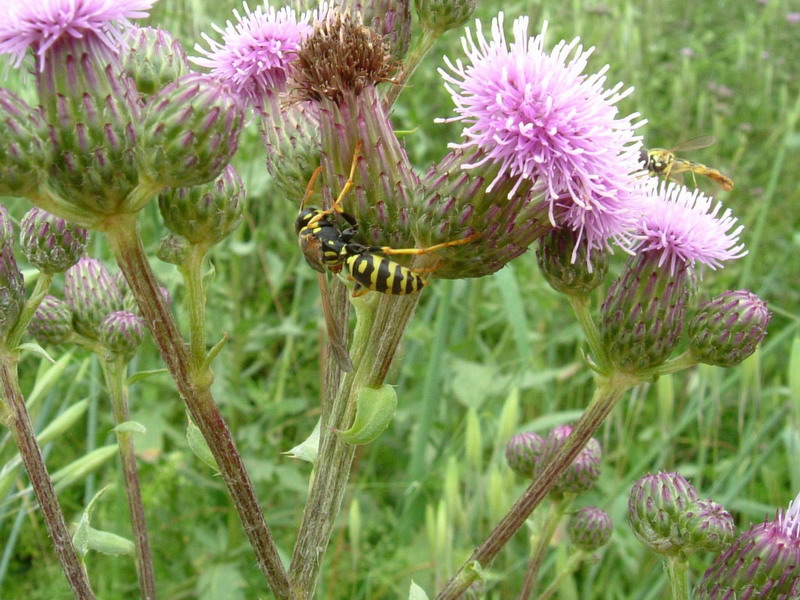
{"x": 418, "y": 251}
{"x": 337, "y": 205}
{"x": 310, "y": 186}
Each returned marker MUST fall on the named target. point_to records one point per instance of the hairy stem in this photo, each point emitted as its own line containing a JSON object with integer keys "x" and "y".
{"x": 115, "y": 371}
{"x": 542, "y": 542}
{"x": 14, "y": 414}
{"x": 677, "y": 570}
{"x": 192, "y": 274}
{"x": 194, "y": 388}
{"x": 608, "y": 391}
{"x": 580, "y": 306}
{"x": 381, "y": 323}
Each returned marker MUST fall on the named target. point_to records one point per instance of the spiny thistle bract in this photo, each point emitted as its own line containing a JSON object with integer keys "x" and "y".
{"x": 121, "y": 332}
{"x": 24, "y": 148}
{"x": 153, "y": 58}
{"x": 567, "y": 264}
{"x": 707, "y": 525}
{"x": 523, "y": 451}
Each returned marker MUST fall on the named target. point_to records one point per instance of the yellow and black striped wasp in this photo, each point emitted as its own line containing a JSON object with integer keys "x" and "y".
{"x": 660, "y": 161}
{"x": 327, "y": 246}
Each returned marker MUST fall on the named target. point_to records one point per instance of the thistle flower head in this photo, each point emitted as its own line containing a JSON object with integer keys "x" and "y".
{"x": 685, "y": 226}
{"x": 256, "y": 51}
{"x": 121, "y": 332}
{"x": 707, "y": 525}
{"x": 206, "y": 213}
{"x": 728, "y": 328}
{"x": 51, "y": 244}
{"x": 540, "y": 117}
{"x": 341, "y": 57}
{"x": 523, "y": 451}
{"x": 24, "y": 151}
{"x": 153, "y": 58}
{"x": 590, "y": 528}
{"x": 190, "y": 132}
{"x": 52, "y": 322}
{"x": 567, "y": 265}
{"x": 584, "y": 471}
{"x": 42, "y": 24}
{"x": 91, "y": 294}
{"x": 655, "y": 507}
{"x": 763, "y": 563}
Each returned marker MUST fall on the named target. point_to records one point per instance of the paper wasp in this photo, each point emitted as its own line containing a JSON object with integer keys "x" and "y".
{"x": 327, "y": 246}
{"x": 664, "y": 162}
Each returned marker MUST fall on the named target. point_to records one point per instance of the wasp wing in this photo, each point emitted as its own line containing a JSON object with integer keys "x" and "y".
{"x": 335, "y": 341}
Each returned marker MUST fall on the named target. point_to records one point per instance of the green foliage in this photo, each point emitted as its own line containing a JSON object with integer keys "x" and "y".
{"x": 425, "y": 496}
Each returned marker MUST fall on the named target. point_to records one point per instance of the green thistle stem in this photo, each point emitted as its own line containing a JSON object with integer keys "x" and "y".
{"x": 39, "y": 292}
{"x": 381, "y": 322}
{"x": 14, "y": 414}
{"x": 607, "y": 393}
{"x": 679, "y": 363}
{"x": 125, "y": 242}
{"x": 572, "y": 564}
{"x": 410, "y": 63}
{"x": 191, "y": 270}
{"x": 677, "y": 571}
{"x": 581, "y": 307}
{"x": 542, "y": 542}
{"x": 115, "y": 372}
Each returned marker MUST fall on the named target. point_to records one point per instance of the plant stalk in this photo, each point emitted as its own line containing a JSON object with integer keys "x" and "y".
{"x": 14, "y": 414}
{"x": 381, "y": 322}
{"x": 194, "y": 388}
{"x": 115, "y": 371}
{"x": 542, "y": 542}
{"x": 410, "y": 63}
{"x": 572, "y": 564}
{"x": 677, "y": 570}
{"x": 607, "y": 393}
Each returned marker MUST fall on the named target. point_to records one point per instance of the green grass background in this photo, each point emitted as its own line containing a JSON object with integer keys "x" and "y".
{"x": 482, "y": 359}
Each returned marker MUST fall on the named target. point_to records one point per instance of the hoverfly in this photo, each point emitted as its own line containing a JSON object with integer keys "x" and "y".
{"x": 327, "y": 246}
{"x": 660, "y": 161}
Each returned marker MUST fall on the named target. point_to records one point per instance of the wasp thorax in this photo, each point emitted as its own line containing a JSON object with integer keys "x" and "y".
{"x": 341, "y": 56}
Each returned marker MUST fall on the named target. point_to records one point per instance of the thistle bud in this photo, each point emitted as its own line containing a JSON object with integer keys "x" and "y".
{"x": 12, "y": 284}
{"x": 206, "y": 213}
{"x": 590, "y": 528}
{"x": 391, "y": 19}
{"x": 566, "y": 265}
{"x": 91, "y": 295}
{"x": 655, "y": 507}
{"x": 24, "y": 151}
{"x": 707, "y": 525}
{"x": 523, "y": 451}
{"x": 728, "y": 329}
{"x": 121, "y": 332}
{"x": 153, "y": 58}
{"x": 93, "y": 111}
{"x": 50, "y": 243}
{"x": 584, "y": 471}
{"x": 763, "y": 563}
{"x": 439, "y": 16}
{"x": 643, "y": 314}
{"x": 190, "y": 132}
{"x": 173, "y": 249}
{"x": 52, "y": 322}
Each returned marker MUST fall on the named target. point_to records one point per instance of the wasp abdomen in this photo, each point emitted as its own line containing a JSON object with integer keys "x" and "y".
{"x": 383, "y": 275}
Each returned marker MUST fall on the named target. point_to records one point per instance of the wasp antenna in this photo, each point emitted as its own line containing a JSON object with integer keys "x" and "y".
{"x": 310, "y": 187}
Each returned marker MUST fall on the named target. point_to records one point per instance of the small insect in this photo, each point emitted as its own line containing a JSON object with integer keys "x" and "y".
{"x": 326, "y": 246}
{"x": 664, "y": 162}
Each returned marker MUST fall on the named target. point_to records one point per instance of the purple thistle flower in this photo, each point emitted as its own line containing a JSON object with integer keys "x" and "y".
{"x": 255, "y": 53}
{"x": 42, "y": 24}
{"x": 684, "y": 226}
{"x": 541, "y": 118}
{"x": 763, "y": 563}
